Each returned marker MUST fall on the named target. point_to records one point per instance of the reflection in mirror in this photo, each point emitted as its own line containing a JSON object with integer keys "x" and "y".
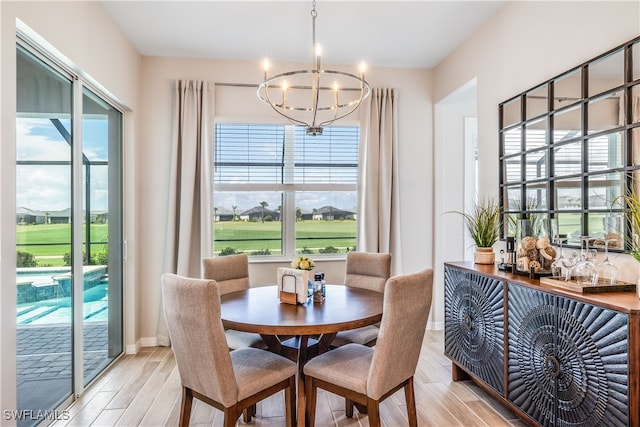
{"x": 536, "y": 164}
{"x": 606, "y": 112}
{"x": 635, "y": 51}
{"x": 606, "y": 226}
{"x": 635, "y": 147}
{"x": 568, "y": 159}
{"x": 512, "y": 197}
{"x": 511, "y": 112}
{"x": 512, "y": 141}
{"x": 510, "y": 222}
{"x": 606, "y": 73}
{"x": 568, "y": 194}
{"x": 571, "y": 225}
{"x": 605, "y": 152}
{"x": 537, "y": 102}
{"x": 536, "y": 194}
{"x": 566, "y": 89}
{"x": 513, "y": 169}
{"x": 536, "y": 134}
{"x": 603, "y": 189}
{"x": 635, "y": 103}
{"x": 567, "y": 125}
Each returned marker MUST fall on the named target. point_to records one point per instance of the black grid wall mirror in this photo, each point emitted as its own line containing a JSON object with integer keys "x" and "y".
{"x": 571, "y": 145}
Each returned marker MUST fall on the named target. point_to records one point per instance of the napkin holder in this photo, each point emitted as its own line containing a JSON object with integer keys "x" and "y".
{"x": 292, "y": 285}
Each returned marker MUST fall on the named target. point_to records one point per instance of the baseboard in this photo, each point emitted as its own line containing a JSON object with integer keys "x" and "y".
{"x": 149, "y": 342}
{"x": 142, "y": 342}
{"x": 132, "y": 348}
{"x": 435, "y": 326}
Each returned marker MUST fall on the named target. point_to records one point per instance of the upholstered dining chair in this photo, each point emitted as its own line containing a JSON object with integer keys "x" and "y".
{"x": 232, "y": 274}
{"x": 368, "y": 270}
{"x": 231, "y": 381}
{"x": 368, "y": 375}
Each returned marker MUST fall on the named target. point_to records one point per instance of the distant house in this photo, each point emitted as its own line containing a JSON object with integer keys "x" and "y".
{"x": 60, "y": 217}
{"x": 34, "y": 216}
{"x": 330, "y": 213}
{"x": 223, "y": 214}
{"x": 99, "y": 217}
{"x": 29, "y": 216}
{"x": 305, "y": 214}
{"x": 255, "y": 214}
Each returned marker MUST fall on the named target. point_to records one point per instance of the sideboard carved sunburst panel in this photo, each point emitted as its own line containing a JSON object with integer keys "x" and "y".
{"x": 567, "y": 360}
{"x": 474, "y": 324}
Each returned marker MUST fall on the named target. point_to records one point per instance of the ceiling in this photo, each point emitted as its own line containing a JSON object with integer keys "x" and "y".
{"x": 407, "y": 34}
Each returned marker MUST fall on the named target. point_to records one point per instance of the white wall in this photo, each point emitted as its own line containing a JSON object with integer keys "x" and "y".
{"x": 158, "y": 75}
{"x": 525, "y": 44}
{"x": 88, "y": 38}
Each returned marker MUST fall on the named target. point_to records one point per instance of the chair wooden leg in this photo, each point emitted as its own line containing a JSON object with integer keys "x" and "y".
{"x": 348, "y": 407}
{"x": 231, "y": 416}
{"x": 185, "y": 408}
{"x": 290, "y": 403}
{"x": 409, "y": 395}
{"x": 373, "y": 411}
{"x": 311, "y": 394}
{"x": 246, "y": 414}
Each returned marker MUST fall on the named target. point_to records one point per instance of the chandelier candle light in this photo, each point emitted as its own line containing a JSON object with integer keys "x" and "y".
{"x": 316, "y": 97}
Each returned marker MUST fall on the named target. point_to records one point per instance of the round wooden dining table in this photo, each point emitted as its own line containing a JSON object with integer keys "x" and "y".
{"x": 300, "y": 331}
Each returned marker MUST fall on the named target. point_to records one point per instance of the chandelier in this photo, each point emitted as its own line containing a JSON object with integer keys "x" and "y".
{"x": 315, "y": 97}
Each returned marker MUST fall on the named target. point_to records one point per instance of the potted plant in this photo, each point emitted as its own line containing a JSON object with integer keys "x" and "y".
{"x": 631, "y": 204}
{"x": 483, "y": 224}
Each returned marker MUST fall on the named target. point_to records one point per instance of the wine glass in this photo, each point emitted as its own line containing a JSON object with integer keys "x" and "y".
{"x": 585, "y": 270}
{"x": 606, "y": 271}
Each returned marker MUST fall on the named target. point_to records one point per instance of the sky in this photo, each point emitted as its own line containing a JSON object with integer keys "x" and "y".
{"x": 48, "y": 187}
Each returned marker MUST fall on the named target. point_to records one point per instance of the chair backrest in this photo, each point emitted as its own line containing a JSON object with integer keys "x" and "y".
{"x": 231, "y": 272}
{"x": 192, "y": 310}
{"x": 405, "y": 310}
{"x": 368, "y": 270}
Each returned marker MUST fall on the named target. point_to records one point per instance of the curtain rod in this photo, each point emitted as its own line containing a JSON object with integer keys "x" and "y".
{"x": 237, "y": 85}
{"x": 255, "y": 86}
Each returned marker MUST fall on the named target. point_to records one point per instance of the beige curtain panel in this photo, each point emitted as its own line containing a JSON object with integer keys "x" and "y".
{"x": 378, "y": 195}
{"x": 189, "y": 209}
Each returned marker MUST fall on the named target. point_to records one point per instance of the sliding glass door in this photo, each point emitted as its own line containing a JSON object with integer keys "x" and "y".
{"x": 69, "y": 236}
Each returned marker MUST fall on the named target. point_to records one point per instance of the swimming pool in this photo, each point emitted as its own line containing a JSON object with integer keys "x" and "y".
{"x": 44, "y": 295}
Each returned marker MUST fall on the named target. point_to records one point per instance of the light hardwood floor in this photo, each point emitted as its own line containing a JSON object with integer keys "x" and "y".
{"x": 144, "y": 390}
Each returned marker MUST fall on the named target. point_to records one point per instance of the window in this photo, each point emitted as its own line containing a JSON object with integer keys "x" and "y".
{"x": 278, "y": 191}
{"x": 569, "y": 147}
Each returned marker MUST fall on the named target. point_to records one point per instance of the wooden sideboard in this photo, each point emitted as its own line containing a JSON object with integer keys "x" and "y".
{"x": 555, "y": 357}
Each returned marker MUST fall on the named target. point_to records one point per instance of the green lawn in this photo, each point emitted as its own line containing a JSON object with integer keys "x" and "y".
{"x": 49, "y": 242}
{"x": 244, "y": 236}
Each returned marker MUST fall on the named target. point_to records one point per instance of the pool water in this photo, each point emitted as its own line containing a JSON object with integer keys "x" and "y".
{"x": 58, "y": 310}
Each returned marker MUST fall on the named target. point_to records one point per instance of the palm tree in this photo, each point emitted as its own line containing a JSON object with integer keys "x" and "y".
{"x": 234, "y": 207}
{"x": 263, "y": 204}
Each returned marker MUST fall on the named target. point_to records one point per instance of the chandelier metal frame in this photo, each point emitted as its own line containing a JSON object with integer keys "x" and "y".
{"x": 277, "y": 87}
